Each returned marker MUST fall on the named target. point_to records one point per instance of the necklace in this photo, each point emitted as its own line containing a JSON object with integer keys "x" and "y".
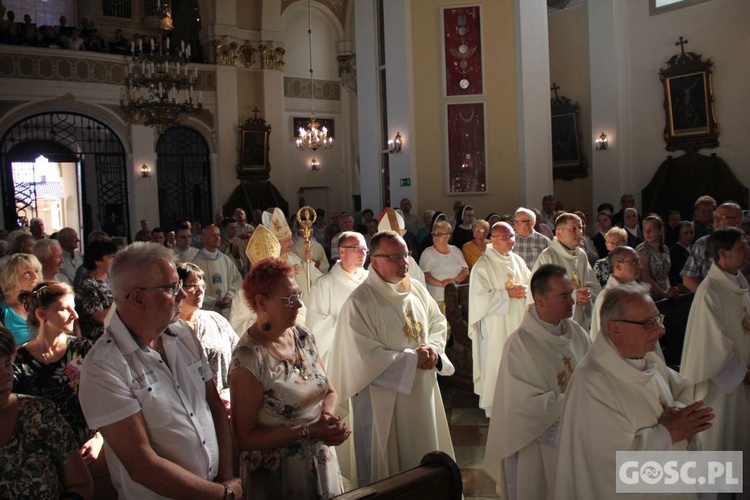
{"x": 294, "y": 360}
{"x": 49, "y": 355}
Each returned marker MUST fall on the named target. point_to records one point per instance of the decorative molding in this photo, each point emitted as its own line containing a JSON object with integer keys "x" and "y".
{"x": 325, "y": 90}
{"x": 229, "y": 51}
{"x": 348, "y": 71}
{"x": 226, "y": 51}
{"x": 272, "y": 57}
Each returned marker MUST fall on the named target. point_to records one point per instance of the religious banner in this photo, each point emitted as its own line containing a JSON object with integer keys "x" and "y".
{"x": 466, "y": 148}
{"x": 462, "y": 39}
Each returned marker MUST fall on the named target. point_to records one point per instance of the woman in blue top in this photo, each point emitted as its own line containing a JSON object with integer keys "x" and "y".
{"x": 21, "y": 273}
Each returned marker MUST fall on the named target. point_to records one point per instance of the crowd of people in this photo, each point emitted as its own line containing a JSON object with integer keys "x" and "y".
{"x": 325, "y": 350}
{"x": 84, "y": 37}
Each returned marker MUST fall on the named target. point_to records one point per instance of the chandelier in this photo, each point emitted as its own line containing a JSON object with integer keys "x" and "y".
{"x": 314, "y": 136}
{"x": 159, "y": 86}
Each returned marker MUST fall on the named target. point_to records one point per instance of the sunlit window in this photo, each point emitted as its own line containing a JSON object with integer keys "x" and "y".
{"x": 659, "y": 6}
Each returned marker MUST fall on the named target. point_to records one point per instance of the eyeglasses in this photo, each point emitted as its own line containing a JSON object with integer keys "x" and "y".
{"x": 505, "y": 236}
{"x": 649, "y": 324}
{"x": 293, "y": 300}
{"x": 440, "y": 234}
{"x": 635, "y": 262}
{"x": 357, "y": 249}
{"x": 395, "y": 257}
{"x": 727, "y": 217}
{"x": 194, "y": 286}
{"x": 172, "y": 287}
{"x": 524, "y": 221}
{"x": 480, "y": 231}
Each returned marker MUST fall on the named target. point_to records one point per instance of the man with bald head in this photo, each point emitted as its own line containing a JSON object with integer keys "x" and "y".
{"x": 330, "y": 291}
{"x": 565, "y": 251}
{"x": 625, "y": 268}
{"x": 497, "y": 299}
{"x": 696, "y": 268}
{"x": 147, "y": 387}
{"x": 220, "y": 273}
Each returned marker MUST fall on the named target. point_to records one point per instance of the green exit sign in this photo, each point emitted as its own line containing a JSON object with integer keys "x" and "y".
{"x": 406, "y": 181}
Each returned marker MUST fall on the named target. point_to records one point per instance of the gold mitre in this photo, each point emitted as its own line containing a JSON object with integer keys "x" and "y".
{"x": 277, "y": 223}
{"x": 262, "y": 244}
{"x": 391, "y": 220}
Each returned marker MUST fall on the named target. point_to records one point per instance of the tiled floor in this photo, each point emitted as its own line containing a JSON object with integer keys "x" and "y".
{"x": 469, "y": 428}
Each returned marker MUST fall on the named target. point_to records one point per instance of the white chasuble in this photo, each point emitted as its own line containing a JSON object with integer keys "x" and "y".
{"x": 580, "y": 274}
{"x": 610, "y": 405}
{"x": 398, "y": 412}
{"x": 717, "y": 342}
{"x": 529, "y": 396}
{"x": 493, "y": 316}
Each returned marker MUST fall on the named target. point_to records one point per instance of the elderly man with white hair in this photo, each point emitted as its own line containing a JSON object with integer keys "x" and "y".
{"x": 49, "y": 253}
{"x": 622, "y": 397}
{"x": 72, "y": 258}
{"x": 529, "y": 242}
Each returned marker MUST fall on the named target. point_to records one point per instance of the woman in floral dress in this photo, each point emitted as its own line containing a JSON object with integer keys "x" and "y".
{"x": 282, "y": 403}
{"x": 39, "y": 458}
{"x": 49, "y": 365}
{"x": 93, "y": 296}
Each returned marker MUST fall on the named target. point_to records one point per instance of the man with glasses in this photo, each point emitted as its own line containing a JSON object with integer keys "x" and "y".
{"x": 538, "y": 360}
{"x": 497, "y": 300}
{"x": 716, "y": 356}
{"x": 330, "y": 291}
{"x": 696, "y": 268}
{"x": 529, "y": 242}
{"x": 148, "y": 389}
{"x": 625, "y": 267}
{"x": 565, "y": 251}
{"x": 622, "y": 397}
{"x": 386, "y": 354}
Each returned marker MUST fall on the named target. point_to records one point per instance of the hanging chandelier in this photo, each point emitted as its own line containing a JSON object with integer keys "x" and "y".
{"x": 313, "y": 137}
{"x": 159, "y": 86}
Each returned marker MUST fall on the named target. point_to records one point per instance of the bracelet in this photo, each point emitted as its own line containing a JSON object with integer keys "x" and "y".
{"x": 304, "y": 432}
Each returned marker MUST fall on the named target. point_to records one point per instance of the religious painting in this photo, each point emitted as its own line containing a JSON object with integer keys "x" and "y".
{"x": 568, "y": 161}
{"x": 254, "y": 147}
{"x": 462, "y": 40}
{"x": 467, "y": 171}
{"x": 689, "y": 102}
{"x": 302, "y": 121}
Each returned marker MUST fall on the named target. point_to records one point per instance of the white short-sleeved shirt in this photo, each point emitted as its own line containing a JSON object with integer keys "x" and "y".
{"x": 122, "y": 377}
{"x": 441, "y": 266}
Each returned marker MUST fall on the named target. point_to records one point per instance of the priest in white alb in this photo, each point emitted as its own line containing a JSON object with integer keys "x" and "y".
{"x": 565, "y": 251}
{"x": 387, "y": 353}
{"x": 622, "y": 397}
{"x": 497, "y": 299}
{"x": 716, "y": 354}
{"x": 537, "y": 363}
{"x": 331, "y": 290}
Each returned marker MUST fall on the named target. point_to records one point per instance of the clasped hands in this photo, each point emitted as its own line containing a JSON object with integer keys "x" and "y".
{"x": 330, "y": 429}
{"x": 517, "y": 291}
{"x": 427, "y": 357}
{"x": 683, "y": 423}
{"x": 583, "y": 296}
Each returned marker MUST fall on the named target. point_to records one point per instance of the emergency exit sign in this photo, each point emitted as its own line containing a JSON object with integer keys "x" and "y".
{"x": 406, "y": 181}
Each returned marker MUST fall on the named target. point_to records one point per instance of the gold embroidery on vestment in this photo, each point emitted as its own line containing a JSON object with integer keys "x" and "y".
{"x": 413, "y": 328}
{"x": 511, "y": 281}
{"x": 564, "y": 376}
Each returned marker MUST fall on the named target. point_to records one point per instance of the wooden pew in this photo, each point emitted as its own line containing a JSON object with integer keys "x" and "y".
{"x": 459, "y": 346}
{"x": 675, "y": 313}
{"x": 436, "y": 478}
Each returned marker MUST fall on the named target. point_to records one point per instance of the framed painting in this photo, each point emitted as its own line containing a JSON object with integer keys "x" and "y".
{"x": 689, "y": 103}
{"x": 254, "y": 148}
{"x": 568, "y": 161}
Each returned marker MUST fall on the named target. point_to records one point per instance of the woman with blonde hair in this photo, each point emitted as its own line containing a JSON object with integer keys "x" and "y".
{"x": 442, "y": 263}
{"x": 22, "y": 272}
{"x": 615, "y": 237}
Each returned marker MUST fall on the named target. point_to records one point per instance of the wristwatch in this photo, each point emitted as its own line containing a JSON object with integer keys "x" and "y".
{"x": 228, "y": 492}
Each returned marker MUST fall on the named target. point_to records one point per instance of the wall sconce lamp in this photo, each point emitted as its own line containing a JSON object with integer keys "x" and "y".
{"x": 601, "y": 142}
{"x": 145, "y": 171}
{"x": 315, "y": 165}
{"x": 394, "y": 145}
